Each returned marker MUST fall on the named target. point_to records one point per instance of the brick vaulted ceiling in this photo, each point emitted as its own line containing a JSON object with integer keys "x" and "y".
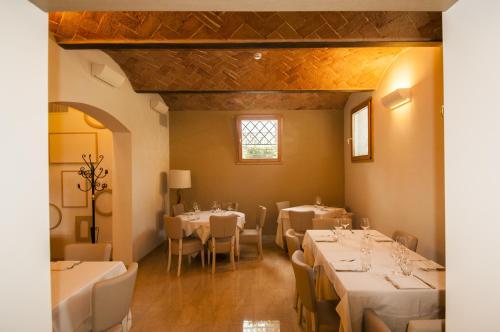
{"x": 316, "y": 58}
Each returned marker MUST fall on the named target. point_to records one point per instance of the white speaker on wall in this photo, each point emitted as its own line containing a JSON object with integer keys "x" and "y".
{"x": 107, "y": 75}
{"x": 158, "y": 105}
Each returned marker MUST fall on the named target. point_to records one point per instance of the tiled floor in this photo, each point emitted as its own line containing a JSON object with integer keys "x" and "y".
{"x": 259, "y": 290}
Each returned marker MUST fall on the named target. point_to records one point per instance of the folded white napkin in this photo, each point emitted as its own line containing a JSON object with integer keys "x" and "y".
{"x": 429, "y": 265}
{"x": 404, "y": 282}
{"x": 346, "y": 265}
{"x": 325, "y": 238}
{"x": 63, "y": 265}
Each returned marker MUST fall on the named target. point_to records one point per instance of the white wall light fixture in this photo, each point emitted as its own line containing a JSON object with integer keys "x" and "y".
{"x": 158, "y": 105}
{"x": 107, "y": 75}
{"x": 397, "y": 98}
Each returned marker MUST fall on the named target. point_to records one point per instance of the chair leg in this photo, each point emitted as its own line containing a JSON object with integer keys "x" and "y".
{"x": 189, "y": 259}
{"x": 299, "y": 312}
{"x": 259, "y": 245}
{"x": 316, "y": 322}
{"x": 169, "y": 254}
{"x": 232, "y": 254}
{"x": 202, "y": 257}
{"x": 180, "y": 259}
{"x": 213, "y": 255}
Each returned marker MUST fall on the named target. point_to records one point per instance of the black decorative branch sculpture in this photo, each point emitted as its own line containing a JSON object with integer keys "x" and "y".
{"x": 93, "y": 174}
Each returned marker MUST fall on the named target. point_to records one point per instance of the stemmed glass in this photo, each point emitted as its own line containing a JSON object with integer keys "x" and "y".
{"x": 345, "y": 222}
{"x": 215, "y": 206}
{"x": 196, "y": 208}
{"x": 318, "y": 201}
{"x": 365, "y": 225}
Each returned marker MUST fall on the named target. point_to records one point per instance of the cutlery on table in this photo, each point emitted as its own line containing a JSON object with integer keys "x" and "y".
{"x": 425, "y": 282}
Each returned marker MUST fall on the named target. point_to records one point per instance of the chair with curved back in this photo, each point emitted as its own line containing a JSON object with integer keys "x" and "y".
{"x": 300, "y": 222}
{"x": 373, "y": 323}
{"x": 90, "y": 252}
{"x": 254, "y": 236}
{"x": 222, "y": 237}
{"x": 321, "y": 312}
{"x": 230, "y": 206}
{"x": 282, "y": 205}
{"x": 292, "y": 242}
{"x": 178, "y": 209}
{"x": 408, "y": 240}
{"x": 111, "y": 300}
{"x": 179, "y": 244}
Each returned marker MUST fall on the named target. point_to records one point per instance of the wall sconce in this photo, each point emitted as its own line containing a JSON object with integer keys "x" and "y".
{"x": 158, "y": 105}
{"x": 397, "y": 98}
{"x": 107, "y": 75}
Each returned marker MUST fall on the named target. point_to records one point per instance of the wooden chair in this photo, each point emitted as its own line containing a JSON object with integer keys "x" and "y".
{"x": 90, "y": 252}
{"x": 254, "y": 236}
{"x": 406, "y": 239}
{"x": 222, "y": 232}
{"x": 319, "y": 313}
{"x": 179, "y": 244}
{"x": 230, "y": 206}
{"x": 178, "y": 209}
{"x": 300, "y": 222}
{"x": 111, "y": 300}
{"x": 373, "y": 323}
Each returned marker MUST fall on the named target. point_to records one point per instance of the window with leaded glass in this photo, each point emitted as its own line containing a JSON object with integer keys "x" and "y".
{"x": 259, "y": 138}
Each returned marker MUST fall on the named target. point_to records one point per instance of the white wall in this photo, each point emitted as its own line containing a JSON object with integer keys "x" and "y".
{"x": 24, "y": 246}
{"x": 472, "y": 136}
{"x": 403, "y": 187}
{"x": 71, "y": 81}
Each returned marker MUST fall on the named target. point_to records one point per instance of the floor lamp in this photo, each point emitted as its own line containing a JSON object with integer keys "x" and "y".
{"x": 179, "y": 179}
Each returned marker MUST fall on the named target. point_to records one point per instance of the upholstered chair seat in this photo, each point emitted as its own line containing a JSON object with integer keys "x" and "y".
{"x": 254, "y": 236}
{"x": 223, "y": 235}
{"x": 180, "y": 245}
{"x": 90, "y": 252}
{"x": 408, "y": 240}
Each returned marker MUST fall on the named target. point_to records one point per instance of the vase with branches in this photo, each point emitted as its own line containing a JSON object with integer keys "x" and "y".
{"x": 93, "y": 175}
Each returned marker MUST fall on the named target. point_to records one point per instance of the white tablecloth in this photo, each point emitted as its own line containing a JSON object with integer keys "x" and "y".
{"x": 199, "y": 222}
{"x": 72, "y": 292}
{"x": 361, "y": 290}
{"x": 284, "y": 222}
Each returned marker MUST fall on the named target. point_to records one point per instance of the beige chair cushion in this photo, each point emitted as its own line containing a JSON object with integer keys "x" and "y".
{"x": 222, "y": 245}
{"x": 292, "y": 242}
{"x": 301, "y": 221}
{"x": 427, "y": 325}
{"x": 178, "y": 209}
{"x": 249, "y": 236}
{"x": 90, "y": 252}
{"x": 223, "y": 226}
{"x": 406, "y": 239}
{"x": 189, "y": 246}
{"x": 173, "y": 227}
{"x": 261, "y": 216}
{"x": 111, "y": 299}
{"x": 373, "y": 323}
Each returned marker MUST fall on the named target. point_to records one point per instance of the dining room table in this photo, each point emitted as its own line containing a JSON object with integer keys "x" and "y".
{"x": 71, "y": 287}
{"x": 283, "y": 221}
{"x": 198, "y": 222}
{"x": 396, "y": 297}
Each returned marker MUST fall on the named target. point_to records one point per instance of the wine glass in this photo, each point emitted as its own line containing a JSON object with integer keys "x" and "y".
{"x": 318, "y": 201}
{"x": 365, "y": 224}
{"x": 345, "y": 223}
{"x": 196, "y": 208}
{"x": 214, "y": 206}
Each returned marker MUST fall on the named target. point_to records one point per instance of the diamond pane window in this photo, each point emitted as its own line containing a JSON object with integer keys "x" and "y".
{"x": 259, "y": 138}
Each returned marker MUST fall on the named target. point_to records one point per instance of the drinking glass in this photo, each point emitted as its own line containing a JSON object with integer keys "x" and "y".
{"x": 196, "y": 208}
{"x": 406, "y": 267}
{"x": 345, "y": 223}
{"x": 214, "y": 206}
{"x": 365, "y": 224}
{"x": 318, "y": 201}
{"x": 366, "y": 261}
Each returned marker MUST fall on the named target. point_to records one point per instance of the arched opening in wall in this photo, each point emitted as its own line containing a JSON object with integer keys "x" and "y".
{"x": 76, "y": 129}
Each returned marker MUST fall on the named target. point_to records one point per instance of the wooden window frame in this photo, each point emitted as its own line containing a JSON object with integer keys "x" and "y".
{"x": 369, "y": 156}
{"x": 277, "y": 117}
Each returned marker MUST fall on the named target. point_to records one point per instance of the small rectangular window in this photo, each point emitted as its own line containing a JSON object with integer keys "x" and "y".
{"x": 259, "y": 138}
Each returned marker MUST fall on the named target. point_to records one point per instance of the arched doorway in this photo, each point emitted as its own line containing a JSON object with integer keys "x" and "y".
{"x": 121, "y": 178}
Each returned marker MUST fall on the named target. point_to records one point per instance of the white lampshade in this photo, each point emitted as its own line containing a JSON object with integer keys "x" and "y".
{"x": 179, "y": 178}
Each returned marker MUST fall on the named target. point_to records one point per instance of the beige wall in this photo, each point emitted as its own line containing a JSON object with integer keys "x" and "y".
{"x": 403, "y": 187}
{"x": 140, "y": 145}
{"x": 472, "y": 135}
{"x": 72, "y": 122}
{"x": 24, "y": 248}
{"x": 205, "y": 143}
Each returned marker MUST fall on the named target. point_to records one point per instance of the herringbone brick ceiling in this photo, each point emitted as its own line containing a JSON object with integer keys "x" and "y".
{"x": 173, "y": 52}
